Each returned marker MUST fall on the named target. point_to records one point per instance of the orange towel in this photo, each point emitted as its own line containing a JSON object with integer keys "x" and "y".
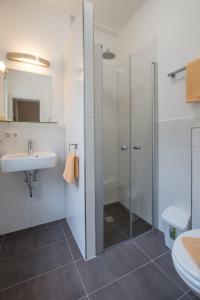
{"x": 193, "y": 81}
{"x": 71, "y": 172}
{"x": 193, "y": 247}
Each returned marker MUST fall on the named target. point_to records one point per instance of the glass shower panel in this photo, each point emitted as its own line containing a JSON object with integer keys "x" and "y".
{"x": 124, "y": 130}
{"x": 116, "y": 147}
{"x": 141, "y": 145}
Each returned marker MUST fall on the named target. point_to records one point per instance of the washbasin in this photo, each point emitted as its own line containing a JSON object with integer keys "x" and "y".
{"x": 25, "y": 162}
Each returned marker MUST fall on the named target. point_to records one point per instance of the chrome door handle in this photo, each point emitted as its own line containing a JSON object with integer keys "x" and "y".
{"x": 124, "y": 147}
{"x": 137, "y": 147}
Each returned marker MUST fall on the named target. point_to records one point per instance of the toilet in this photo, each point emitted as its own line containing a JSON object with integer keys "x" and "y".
{"x": 184, "y": 264}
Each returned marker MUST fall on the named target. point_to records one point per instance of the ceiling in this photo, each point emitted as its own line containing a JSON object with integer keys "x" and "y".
{"x": 110, "y": 13}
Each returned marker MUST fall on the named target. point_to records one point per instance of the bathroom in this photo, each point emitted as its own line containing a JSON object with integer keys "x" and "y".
{"x": 96, "y": 81}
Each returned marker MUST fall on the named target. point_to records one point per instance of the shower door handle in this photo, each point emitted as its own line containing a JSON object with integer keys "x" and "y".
{"x": 137, "y": 147}
{"x": 124, "y": 147}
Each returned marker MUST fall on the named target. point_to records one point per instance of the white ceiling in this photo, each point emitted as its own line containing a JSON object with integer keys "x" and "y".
{"x": 110, "y": 13}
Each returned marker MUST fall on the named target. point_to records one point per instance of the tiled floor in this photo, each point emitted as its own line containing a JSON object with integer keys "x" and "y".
{"x": 117, "y": 224}
{"x": 44, "y": 263}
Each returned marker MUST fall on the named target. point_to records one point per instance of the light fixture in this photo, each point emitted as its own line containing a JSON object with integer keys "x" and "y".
{"x": 28, "y": 58}
{"x": 2, "y": 68}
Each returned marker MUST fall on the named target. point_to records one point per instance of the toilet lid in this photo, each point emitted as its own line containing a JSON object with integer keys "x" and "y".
{"x": 182, "y": 256}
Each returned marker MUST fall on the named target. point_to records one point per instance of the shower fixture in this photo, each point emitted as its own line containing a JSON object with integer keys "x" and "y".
{"x": 107, "y": 54}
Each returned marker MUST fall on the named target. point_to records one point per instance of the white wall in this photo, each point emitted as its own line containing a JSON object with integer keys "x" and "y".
{"x": 141, "y": 135}
{"x": 79, "y": 121}
{"x": 74, "y": 122}
{"x": 123, "y": 124}
{"x": 110, "y": 131}
{"x": 41, "y": 29}
{"x": 195, "y": 177}
{"x": 106, "y": 39}
{"x": 17, "y": 209}
{"x": 174, "y": 25}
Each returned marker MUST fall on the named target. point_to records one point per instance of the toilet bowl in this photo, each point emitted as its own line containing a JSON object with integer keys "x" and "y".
{"x": 184, "y": 264}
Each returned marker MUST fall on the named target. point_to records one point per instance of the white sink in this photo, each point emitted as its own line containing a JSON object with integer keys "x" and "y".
{"x": 24, "y": 162}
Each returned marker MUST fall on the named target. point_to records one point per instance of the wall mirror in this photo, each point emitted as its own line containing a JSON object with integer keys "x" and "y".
{"x": 27, "y": 97}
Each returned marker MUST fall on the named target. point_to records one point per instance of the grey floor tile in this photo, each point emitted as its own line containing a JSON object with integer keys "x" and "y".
{"x": 62, "y": 284}
{"x": 66, "y": 229}
{"x": 115, "y": 239}
{"x": 141, "y": 229}
{"x": 114, "y": 209}
{"x": 23, "y": 231}
{"x": 30, "y": 229}
{"x": 147, "y": 283}
{"x": 166, "y": 263}
{"x": 137, "y": 221}
{"x": 123, "y": 222}
{"x": 186, "y": 297}
{"x": 31, "y": 240}
{"x": 110, "y": 229}
{"x": 20, "y": 268}
{"x": 110, "y": 265}
{"x": 193, "y": 296}
{"x": 74, "y": 249}
{"x": 152, "y": 243}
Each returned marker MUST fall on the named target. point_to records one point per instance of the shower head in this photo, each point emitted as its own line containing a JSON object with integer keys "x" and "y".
{"x": 108, "y": 54}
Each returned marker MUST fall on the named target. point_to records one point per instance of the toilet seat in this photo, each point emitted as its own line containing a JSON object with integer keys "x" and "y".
{"x": 184, "y": 264}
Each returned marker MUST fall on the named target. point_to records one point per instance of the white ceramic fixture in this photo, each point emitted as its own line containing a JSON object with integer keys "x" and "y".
{"x": 24, "y": 162}
{"x": 185, "y": 266}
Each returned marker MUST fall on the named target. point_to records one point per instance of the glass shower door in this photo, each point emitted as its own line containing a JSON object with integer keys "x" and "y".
{"x": 142, "y": 115}
{"x": 116, "y": 146}
{"x": 124, "y": 124}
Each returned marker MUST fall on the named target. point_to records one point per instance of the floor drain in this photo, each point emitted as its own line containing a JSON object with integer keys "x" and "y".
{"x": 109, "y": 219}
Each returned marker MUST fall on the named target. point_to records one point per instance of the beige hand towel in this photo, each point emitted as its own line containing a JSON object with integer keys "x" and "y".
{"x": 192, "y": 245}
{"x": 71, "y": 172}
{"x": 193, "y": 81}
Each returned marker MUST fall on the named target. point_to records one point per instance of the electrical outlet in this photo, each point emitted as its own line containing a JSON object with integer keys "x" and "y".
{"x": 7, "y": 135}
{"x": 15, "y": 134}
{"x": 1, "y": 136}
{"x": 10, "y": 136}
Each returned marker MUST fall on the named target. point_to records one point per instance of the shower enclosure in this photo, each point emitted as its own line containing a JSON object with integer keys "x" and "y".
{"x": 124, "y": 146}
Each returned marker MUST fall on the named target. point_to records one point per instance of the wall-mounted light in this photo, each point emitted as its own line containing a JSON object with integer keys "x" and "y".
{"x": 2, "y": 68}
{"x": 28, "y": 58}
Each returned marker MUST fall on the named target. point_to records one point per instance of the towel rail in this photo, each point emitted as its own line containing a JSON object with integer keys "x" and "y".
{"x": 173, "y": 74}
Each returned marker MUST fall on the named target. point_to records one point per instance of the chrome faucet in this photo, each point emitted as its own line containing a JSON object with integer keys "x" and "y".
{"x": 30, "y": 147}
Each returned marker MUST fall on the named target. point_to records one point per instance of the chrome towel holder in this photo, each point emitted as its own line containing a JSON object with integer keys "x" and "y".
{"x": 73, "y": 145}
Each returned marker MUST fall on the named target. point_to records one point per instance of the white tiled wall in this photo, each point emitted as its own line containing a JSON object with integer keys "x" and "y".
{"x": 195, "y": 178}
{"x": 110, "y": 132}
{"x": 174, "y": 164}
{"x": 79, "y": 120}
{"x": 124, "y": 129}
{"x": 74, "y": 121}
{"x": 141, "y": 135}
{"x": 17, "y": 209}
